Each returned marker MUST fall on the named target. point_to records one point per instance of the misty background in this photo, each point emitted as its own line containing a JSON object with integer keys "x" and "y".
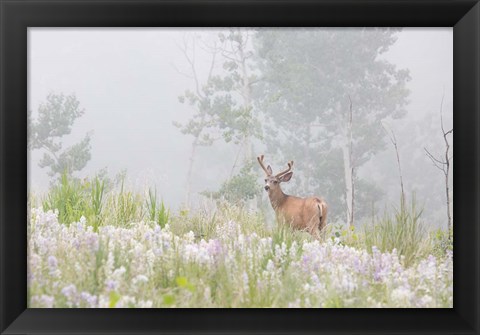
{"x": 138, "y": 90}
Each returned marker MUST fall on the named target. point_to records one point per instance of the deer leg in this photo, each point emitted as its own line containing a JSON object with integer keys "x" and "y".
{"x": 312, "y": 225}
{"x": 320, "y": 216}
{"x": 322, "y": 213}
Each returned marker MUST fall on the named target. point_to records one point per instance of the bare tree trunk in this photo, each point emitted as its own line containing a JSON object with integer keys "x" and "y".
{"x": 349, "y": 169}
{"x": 306, "y": 153}
{"x": 400, "y": 173}
{"x": 444, "y": 166}
{"x": 349, "y": 189}
{"x": 447, "y": 172}
{"x": 352, "y": 166}
{"x": 449, "y": 215}
{"x": 247, "y": 97}
{"x": 393, "y": 139}
{"x": 190, "y": 171}
{"x": 247, "y": 106}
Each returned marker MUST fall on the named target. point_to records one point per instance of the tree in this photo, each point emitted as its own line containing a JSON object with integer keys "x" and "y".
{"x": 222, "y": 101}
{"x": 311, "y": 78}
{"x": 240, "y": 187}
{"x": 201, "y": 99}
{"x": 237, "y": 82}
{"x": 443, "y": 164}
{"x": 393, "y": 139}
{"x": 55, "y": 120}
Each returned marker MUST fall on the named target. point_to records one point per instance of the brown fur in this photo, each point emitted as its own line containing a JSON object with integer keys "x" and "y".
{"x": 308, "y": 214}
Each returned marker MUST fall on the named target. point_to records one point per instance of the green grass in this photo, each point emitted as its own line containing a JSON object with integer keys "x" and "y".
{"x": 69, "y": 197}
{"x": 403, "y": 231}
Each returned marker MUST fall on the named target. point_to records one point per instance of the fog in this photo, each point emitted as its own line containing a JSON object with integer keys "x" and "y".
{"x": 128, "y": 81}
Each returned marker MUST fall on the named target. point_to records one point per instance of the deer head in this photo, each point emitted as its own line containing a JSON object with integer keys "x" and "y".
{"x": 272, "y": 182}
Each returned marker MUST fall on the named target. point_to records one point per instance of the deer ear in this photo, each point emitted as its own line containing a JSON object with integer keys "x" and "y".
{"x": 269, "y": 169}
{"x": 286, "y": 176}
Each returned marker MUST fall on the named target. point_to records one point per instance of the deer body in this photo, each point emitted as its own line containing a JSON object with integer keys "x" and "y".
{"x": 308, "y": 214}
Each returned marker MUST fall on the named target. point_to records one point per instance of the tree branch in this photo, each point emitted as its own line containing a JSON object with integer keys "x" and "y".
{"x": 436, "y": 162}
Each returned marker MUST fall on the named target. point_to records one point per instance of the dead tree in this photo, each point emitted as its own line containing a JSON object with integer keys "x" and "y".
{"x": 349, "y": 167}
{"x": 393, "y": 139}
{"x": 443, "y": 164}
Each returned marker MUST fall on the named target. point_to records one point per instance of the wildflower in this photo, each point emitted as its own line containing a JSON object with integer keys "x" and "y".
{"x": 92, "y": 242}
{"x": 401, "y": 295}
{"x": 70, "y": 292}
{"x": 214, "y": 247}
{"x": 207, "y": 294}
{"x": 53, "y": 266}
{"x": 245, "y": 281}
{"x": 320, "y": 271}
{"x": 294, "y": 304}
{"x": 119, "y": 272}
{"x": 52, "y": 263}
{"x": 90, "y": 300}
{"x": 44, "y": 301}
{"x": 144, "y": 304}
{"x": 270, "y": 266}
{"x": 139, "y": 279}
{"x": 189, "y": 237}
{"x": 111, "y": 285}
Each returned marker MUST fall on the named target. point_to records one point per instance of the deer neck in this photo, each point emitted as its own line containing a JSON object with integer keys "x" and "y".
{"x": 277, "y": 198}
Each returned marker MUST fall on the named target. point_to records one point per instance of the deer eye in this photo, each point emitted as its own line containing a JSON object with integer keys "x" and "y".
{"x": 275, "y": 182}
{"x": 265, "y": 180}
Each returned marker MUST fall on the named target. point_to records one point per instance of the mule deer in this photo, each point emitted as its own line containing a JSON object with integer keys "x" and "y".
{"x": 308, "y": 214}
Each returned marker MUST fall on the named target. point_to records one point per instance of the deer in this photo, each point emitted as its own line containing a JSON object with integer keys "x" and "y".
{"x": 306, "y": 214}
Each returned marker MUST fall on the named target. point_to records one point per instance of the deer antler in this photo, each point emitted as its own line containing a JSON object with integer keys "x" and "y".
{"x": 290, "y": 164}
{"x": 260, "y": 161}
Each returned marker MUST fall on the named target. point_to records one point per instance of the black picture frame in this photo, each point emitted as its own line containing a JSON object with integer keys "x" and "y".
{"x": 17, "y": 15}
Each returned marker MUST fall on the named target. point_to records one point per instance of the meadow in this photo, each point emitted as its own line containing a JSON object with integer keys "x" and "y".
{"x": 91, "y": 244}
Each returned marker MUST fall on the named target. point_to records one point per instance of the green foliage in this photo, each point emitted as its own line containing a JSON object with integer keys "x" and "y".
{"x": 168, "y": 299}
{"x": 182, "y": 282}
{"x": 239, "y": 188}
{"x": 222, "y": 102}
{"x": 114, "y": 298}
{"x": 442, "y": 242}
{"x": 54, "y": 121}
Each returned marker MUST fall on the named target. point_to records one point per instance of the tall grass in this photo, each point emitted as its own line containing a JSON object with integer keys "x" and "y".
{"x": 403, "y": 231}
{"x": 126, "y": 207}
{"x": 74, "y": 198}
{"x": 69, "y": 198}
{"x": 97, "y": 194}
{"x": 158, "y": 213}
